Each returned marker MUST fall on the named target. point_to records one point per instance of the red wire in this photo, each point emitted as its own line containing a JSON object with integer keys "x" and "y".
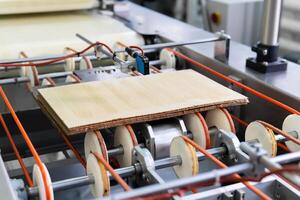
{"x": 116, "y": 176}
{"x": 241, "y": 85}
{"x": 139, "y": 48}
{"x": 29, "y": 143}
{"x": 74, "y": 150}
{"x": 222, "y": 165}
{"x": 280, "y": 132}
{"x": 51, "y": 61}
{"x": 16, "y": 151}
{"x": 242, "y": 122}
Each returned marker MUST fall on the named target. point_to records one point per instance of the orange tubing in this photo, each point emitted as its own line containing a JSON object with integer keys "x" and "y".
{"x": 283, "y": 147}
{"x": 242, "y": 122}
{"x": 280, "y": 132}
{"x": 74, "y": 150}
{"x": 228, "y": 116}
{"x": 241, "y": 85}
{"x": 116, "y": 176}
{"x": 206, "y": 132}
{"x": 70, "y": 145}
{"x": 132, "y": 135}
{"x": 15, "y": 149}
{"x": 51, "y": 61}
{"x": 28, "y": 142}
{"x": 259, "y": 193}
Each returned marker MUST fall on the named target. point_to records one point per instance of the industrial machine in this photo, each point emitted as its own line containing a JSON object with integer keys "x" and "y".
{"x": 243, "y": 152}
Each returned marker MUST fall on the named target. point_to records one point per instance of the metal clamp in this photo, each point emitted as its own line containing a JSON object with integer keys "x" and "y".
{"x": 143, "y": 157}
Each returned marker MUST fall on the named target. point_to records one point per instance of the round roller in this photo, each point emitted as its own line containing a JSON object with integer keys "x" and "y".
{"x": 33, "y": 76}
{"x": 292, "y": 123}
{"x": 122, "y": 137}
{"x": 189, "y": 165}
{"x": 168, "y": 58}
{"x": 197, "y": 125}
{"x": 264, "y": 135}
{"x": 101, "y": 187}
{"x": 38, "y": 181}
{"x": 70, "y": 62}
{"x": 221, "y": 119}
{"x": 85, "y": 63}
{"x": 94, "y": 142}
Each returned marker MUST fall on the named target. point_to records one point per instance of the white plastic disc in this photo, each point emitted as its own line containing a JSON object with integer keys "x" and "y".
{"x": 94, "y": 142}
{"x": 101, "y": 187}
{"x": 221, "y": 119}
{"x": 33, "y": 76}
{"x": 122, "y": 137}
{"x": 70, "y": 62}
{"x": 292, "y": 123}
{"x": 38, "y": 181}
{"x": 189, "y": 165}
{"x": 197, "y": 125}
{"x": 168, "y": 58}
{"x": 85, "y": 63}
{"x": 264, "y": 135}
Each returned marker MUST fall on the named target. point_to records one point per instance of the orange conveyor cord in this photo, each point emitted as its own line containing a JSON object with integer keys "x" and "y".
{"x": 238, "y": 84}
{"x": 258, "y": 192}
{"x": 280, "y": 132}
{"x": 68, "y": 142}
{"x": 17, "y": 153}
{"x": 116, "y": 176}
{"x": 28, "y": 142}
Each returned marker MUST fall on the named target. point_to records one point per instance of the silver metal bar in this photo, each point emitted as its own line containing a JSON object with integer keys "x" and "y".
{"x": 152, "y": 189}
{"x": 146, "y": 48}
{"x": 107, "y": 53}
{"x": 25, "y": 79}
{"x": 123, "y": 172}
{"x": 271, "y": 22}
{"x": 115, "y": 151}
{"x": 174, "y": 44}
{"x": 271, "y": 165}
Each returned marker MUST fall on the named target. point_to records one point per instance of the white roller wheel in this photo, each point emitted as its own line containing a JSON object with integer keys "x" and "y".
{"x": 85, "y": 63}
{"x": 33, "y": 76}
{"x": 38, "y": 181}
{"x": 168, "y": 58}
{"x": 122, "y": 137}
{"x": 292, "y": 123}
{"x": 101, "y": 187}
{"x": 221, "y": 119}
{"x": 70, "y": 62}
{"x": 197, "y": 125}
{"x": 189, "y": 165}
{"x": 264, "y": 135}
{"x": 94, "y": 142}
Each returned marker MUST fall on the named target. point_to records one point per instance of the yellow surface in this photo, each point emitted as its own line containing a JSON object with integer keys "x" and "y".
{"x": 93, "y": 105}
{"x": 34, "y": 6}
{"x": 49, "y": 34}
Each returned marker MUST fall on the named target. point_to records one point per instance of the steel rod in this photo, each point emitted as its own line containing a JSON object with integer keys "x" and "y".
{"x": 123, "y": 172}
{"x": 152, "y": 189}
{"x": 146, "y": 48}
{"x": 175, "y": 44}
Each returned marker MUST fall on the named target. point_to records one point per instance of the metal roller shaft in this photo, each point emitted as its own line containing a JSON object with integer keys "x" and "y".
{"x": 123, "y": 172}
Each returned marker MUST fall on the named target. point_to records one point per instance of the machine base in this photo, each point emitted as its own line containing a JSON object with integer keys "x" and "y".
{"x": 279, "y": 65}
